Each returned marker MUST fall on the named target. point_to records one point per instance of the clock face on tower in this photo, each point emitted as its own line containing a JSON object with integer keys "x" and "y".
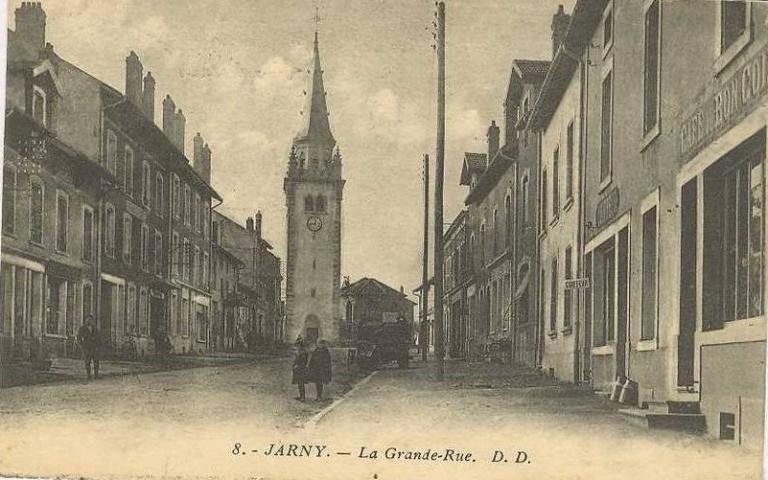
{"x": 314, "y": 224}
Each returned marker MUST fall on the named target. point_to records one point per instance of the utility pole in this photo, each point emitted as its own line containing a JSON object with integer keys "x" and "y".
{"x": 424, "y": 333}
{"x": 439, "y": 174}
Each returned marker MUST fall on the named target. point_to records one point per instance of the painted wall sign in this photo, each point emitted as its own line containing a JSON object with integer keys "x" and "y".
{"x": 607, "y": 208}
{"x": 577, "y": 284}
{"x": 730, "y": 102}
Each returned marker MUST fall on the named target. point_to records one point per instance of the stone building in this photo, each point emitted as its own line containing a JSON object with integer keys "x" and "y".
{"x": 228, "y": 307}
{"x": 254, "y": 314}
{"x": 369, "y": 301}
{"x": 457, "y": 276}
{"x": 150, "y": 219}
{"x": 313, "y": 188}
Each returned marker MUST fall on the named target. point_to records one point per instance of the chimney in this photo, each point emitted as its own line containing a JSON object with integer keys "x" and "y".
{"x": 30, "y": 24}
{"x": 249, "y": 224}
{"x": 402, "y": 290}
{"x": 180, "y": 123}
{"x": 493, "y": 140}
{"x": 148, "y": 100}
{"x": 257, "y": 223}
{"x": 169, "y": 113}
{"x": 197, "y": 151}
{"x": 560, "y": 23}
{"x": 134, "y": 70}
{"x": 205, "y": 164}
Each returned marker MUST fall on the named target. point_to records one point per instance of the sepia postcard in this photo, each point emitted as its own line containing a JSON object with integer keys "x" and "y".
{"x": 384, "y": 239}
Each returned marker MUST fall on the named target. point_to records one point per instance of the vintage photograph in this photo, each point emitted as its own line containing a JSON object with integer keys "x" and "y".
{"x": 384, "y": 239}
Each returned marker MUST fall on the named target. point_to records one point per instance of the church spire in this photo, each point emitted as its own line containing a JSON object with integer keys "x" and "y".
{"x": 316, "y": 124}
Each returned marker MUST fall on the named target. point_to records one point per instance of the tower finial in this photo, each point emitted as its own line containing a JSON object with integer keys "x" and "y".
{"x": 317, "y": 22}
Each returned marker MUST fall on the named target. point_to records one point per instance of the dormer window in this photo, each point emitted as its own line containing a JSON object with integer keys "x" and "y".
{"x": 39, "y": 106}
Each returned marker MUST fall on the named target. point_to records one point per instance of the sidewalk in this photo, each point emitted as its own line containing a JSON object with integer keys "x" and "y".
{"x": 19, "y": 373}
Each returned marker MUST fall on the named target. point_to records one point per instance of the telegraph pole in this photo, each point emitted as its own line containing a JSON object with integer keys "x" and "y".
{"x": 439, "y": 174}
{"x": 424, "y": 334}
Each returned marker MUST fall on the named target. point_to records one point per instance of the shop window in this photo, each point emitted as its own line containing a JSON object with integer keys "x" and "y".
{"x": 605, "y": 294}
{"x": 87, "y": 300}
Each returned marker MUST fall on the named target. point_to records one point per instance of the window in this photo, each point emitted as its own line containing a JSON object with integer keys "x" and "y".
{"x": 206, "y": 259}
{"x": 176, "y": 196}
{"x": 215, "y": 232}
{"x": 606, "y": 298}
{"x": 39, "y": 105}
{"x": 556, "y": 183}
{"x": 9, "y": 199}
{"x": 553, "y": 296}
{"x": 606, "y": 129}
{"x": 508, "y": 221}
{"x": 312, "y": 292}
{"x": 145, "y": 248}
{"x": 145, "y": 183}
{"x": 651, "y": 67}
{"x": 495, "y": 232}
{"x": 128, "y": 182}
{"x": 130, "y": 319}
{"x": 173, "y": 312}
{"x": 733, "y": 22}
{"x": 186, "y": 262}
{"x": 127, "y": 238}
{"x": 543, "y": 196}
{"x": 205, "y": 207}
{"x": 187, "y": 205}
{"x": 109, "y": 233}
{"x": 175, "y": 256}
{"x": 743, "y": 241}
{"x": 143, "y": 312}
{"x": 197, "y": 271}
{"x": 110, "y": 161}
{"x": 309, "y": 204}
{"x": 524, "y": 198}
{"x": 195, "y": 214}
{"x": 482, "y": 245}
{"x": 648, "y": 318}
{"x": 569, "y": 162}
{"x": 184, "y": 317}
{"x": 159, "y": 194}
{"x": 158, "y": 253}
{"x": 62, "y": 220}
{"x": 87, "y": 299}
{"x": 202, "y": 323}
{"x": 88, "y": 233}
{"x": 37, "y": 194}
{"x": 320, "y": 203}
{"x": 608, "y": 29}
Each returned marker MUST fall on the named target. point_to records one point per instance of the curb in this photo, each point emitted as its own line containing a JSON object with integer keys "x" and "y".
{"x": 312, "y": 422}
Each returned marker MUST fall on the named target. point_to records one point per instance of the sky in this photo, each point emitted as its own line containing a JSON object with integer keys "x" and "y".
{"x": 238, "y": 70}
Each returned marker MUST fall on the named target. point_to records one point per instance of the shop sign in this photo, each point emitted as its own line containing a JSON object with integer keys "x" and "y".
{"x": 733, "y": 100}
{"x": 607, "y": 208}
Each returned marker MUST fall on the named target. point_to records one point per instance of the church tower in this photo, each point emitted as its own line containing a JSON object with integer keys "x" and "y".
{"x": 313, "y": 192}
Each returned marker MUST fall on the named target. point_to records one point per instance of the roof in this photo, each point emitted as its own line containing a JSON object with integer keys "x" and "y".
{"x": 365, "y": 283}
{"x": 585, "y": 18}
{"x": 473, "y": 163}
{"x": 317, "y": 126}
{"x": 455, "y": 225}
{"x": 501, "y": 162}
{"x": 530, "y": 68}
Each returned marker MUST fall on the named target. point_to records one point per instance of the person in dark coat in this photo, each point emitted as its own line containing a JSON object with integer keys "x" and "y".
{"x": 90, "y": 341}
{"x": 320, "y": 367}
{"x": 163, "y": 347}
{"x": 300, "y": 369}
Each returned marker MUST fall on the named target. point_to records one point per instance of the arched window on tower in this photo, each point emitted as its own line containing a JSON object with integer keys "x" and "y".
{"x": 309, "y": 203}
{"x": 320, "y": 203}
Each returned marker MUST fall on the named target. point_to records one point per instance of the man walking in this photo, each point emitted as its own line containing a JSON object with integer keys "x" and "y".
{"x": 90, "y": 342}
{"x": 320, "y": 367}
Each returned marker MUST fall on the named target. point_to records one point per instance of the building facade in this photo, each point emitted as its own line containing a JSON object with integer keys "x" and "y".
{"x": 370, "y": 302}
{"x": 313, "y": 193}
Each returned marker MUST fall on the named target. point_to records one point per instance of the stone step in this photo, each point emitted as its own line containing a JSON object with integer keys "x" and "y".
{"x": 682, "y": 422}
